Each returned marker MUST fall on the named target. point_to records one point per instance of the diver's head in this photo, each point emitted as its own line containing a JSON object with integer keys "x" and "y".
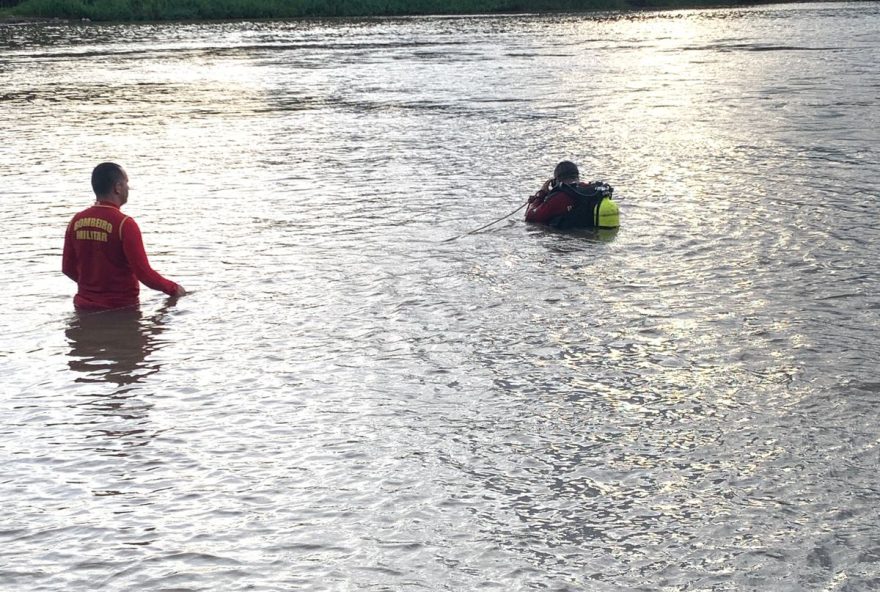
{"x": 566, "y": 172}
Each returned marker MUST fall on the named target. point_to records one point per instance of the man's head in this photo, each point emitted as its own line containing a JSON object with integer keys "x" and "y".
{"x": 566, "y": 172}
{"x": 109, "y": 182}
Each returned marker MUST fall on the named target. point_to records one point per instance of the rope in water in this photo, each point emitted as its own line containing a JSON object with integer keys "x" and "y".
{"x": 487, "y": 225}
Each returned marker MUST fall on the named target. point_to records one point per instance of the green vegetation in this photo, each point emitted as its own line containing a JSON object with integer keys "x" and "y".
{"x": 155, "y": 10}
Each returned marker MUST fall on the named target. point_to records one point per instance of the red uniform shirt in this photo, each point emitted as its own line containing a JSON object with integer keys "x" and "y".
{"x": 543, "y": 208}
{"x": 104, "y": 254}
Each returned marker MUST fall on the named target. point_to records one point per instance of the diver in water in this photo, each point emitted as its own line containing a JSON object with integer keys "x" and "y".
{"x": 566, "y": 202}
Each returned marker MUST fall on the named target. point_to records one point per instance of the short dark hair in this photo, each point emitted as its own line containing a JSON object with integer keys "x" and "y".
{"x": 105, "y": 176}
{"x": 566, "y": 170}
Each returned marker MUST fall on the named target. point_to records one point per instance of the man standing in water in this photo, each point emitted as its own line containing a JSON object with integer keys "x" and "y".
{"x": 103, "y": 250}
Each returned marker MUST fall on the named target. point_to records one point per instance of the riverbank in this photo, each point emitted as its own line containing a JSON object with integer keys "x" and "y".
{"x": 159, "y": 10}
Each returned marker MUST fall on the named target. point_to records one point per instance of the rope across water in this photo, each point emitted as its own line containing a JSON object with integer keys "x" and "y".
{"x": 487, "y": 225}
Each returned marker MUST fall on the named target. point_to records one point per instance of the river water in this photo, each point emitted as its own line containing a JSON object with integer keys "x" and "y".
{"x": 347, "y": 400}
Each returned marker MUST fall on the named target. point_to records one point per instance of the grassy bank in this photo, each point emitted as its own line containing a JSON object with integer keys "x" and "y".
{"x": 155, "y": 10}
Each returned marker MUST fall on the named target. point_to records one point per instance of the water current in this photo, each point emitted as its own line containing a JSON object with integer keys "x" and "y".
{"x": 347, "y": 400}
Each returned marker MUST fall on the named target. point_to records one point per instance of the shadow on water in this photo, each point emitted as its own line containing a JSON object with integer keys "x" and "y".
{"x": 576, "y": 239}
{"x": 114, "y": 346}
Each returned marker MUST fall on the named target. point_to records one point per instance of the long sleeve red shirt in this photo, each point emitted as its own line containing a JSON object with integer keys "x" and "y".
{"x": 545, "y": 206}
{"x": 104, "y": 254}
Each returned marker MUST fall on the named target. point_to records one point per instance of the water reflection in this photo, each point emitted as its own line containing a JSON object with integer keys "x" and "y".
{"x": 577, "y": 239}
{"x": 113, "y": 346}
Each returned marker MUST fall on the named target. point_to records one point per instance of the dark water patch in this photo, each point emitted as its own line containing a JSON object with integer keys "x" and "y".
{"x": 761, "y": 47}
{"x": 23, "y": 95}
{"x": 152, "y": 52}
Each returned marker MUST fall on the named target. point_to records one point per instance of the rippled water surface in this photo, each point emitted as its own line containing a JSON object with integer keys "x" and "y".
{"x": 349, "y": 401}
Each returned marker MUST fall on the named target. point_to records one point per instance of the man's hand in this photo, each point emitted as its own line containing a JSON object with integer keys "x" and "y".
{"x": 542, "y": 192}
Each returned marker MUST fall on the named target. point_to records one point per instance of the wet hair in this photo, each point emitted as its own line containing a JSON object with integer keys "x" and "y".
{"x": 105, "y": 176}
{"x": 565, "y": 171}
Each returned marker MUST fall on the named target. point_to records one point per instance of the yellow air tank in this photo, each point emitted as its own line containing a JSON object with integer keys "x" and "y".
{"x": 608, "y": 215}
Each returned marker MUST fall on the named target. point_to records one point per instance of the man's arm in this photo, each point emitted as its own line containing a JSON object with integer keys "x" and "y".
{"x": 541, "y": 193}
{"x": 68, "y": 257}
{"x": 542, "y": 211}
{"x": 133, "y": 246}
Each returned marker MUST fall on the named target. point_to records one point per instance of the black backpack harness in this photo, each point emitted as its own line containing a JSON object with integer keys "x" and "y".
{"x": 587, "y": 198}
